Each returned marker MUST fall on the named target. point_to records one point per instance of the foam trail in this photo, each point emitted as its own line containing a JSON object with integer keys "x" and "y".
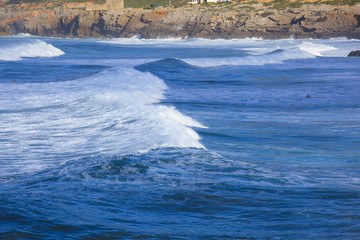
{"x": 113, "y": 112}
{"x": 29, "y": 48}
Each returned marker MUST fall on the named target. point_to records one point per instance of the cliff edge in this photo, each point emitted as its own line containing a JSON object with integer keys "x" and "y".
{"x": 223, "y": 20}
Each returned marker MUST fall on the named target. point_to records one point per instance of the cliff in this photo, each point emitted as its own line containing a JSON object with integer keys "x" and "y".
{"x": 210, "y": 21}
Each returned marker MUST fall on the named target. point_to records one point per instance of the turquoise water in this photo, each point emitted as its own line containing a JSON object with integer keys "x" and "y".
{"x": 179, "y": 139}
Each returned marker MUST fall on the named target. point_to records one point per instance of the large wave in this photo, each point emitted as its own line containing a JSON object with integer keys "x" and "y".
{"x": 114, "y": 112}
{"x": 28, "y": 48}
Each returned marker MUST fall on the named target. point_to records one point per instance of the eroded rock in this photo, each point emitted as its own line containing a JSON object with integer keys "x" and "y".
{"x": 354, "y": 53}
{"x": 195, "y": 22}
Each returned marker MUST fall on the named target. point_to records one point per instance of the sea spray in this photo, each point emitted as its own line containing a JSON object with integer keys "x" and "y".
{"x": 28, "y": 48}
{"x": 115, "y": 111}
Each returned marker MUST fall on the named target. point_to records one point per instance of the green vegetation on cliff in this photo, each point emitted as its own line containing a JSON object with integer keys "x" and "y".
{"x": 128, "y": 3}
{"x": 148, "y": 3}
{"x": 51, "y": 1}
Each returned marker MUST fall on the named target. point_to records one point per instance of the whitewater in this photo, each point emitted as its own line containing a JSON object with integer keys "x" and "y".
{"x": 179, "y": 138}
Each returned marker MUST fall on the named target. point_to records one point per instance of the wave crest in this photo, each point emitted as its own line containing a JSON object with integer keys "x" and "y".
{"x": 113, "y": 112}
{"x": 29, "y": 48}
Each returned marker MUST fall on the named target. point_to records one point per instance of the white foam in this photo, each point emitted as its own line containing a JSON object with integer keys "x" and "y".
{"x": 114, "y": 112}
{"x": 338, "y": 47}
{"x": 22, "y": 35}
{"x": 264, "y": 53}
{"x": 181, "y": 42}
{"x": 274, "y": 58}
{"x": 258, "y": 50}
{"x": 29, "y": 48}
{"x": 315, "y": 49}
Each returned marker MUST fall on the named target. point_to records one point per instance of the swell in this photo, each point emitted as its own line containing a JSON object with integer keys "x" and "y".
{"x": 304, "y": 50}
{"x": 247, "y": 52}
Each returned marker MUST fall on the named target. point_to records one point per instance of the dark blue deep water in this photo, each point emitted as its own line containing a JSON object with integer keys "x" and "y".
{"x": 179, "y": 139}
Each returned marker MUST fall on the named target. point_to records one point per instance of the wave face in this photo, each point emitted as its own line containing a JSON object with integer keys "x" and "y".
{"x": 180, "y": 139}
{"x": 112, "y": 112}
{"x": 27, "y": 48}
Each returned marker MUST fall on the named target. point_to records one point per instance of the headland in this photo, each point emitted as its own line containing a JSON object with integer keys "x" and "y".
{"x": 267, "y": 19}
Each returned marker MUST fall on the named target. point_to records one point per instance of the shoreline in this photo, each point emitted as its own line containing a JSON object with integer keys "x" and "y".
{"x": 172, "y": 39}
{"x": 229, "y": 21}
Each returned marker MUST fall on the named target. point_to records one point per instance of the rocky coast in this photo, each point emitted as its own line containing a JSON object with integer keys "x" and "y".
{"x": 226, "y": 20}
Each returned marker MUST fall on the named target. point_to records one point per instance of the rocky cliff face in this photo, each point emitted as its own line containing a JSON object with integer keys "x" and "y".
{"x": 206, "y": 22}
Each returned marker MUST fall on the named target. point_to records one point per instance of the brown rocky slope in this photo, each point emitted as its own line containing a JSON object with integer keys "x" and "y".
{"x": 215, "y": 21}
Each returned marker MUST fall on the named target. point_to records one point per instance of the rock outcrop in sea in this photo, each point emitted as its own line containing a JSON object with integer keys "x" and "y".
{"x": 355, "y": 53}
{"x": 214, "y": 21}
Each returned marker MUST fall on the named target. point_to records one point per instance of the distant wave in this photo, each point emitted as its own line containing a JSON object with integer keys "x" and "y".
{"x": 315, "y": 49}
{"x": 28, "y": 48}
{"x": 246, "y": 43}
{"x": 181, "y": 42}
{"x": 303, "y": 50}
{"x": 249, "y": 51}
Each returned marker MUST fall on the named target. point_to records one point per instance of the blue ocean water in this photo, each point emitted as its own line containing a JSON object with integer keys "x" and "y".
{"x": 179, "y": 139}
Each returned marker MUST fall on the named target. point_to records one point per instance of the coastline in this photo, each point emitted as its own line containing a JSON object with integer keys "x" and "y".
{"x": 227, "y": 21}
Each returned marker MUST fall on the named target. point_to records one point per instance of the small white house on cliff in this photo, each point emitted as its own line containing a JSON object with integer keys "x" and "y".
{"x": 192, "y": 2}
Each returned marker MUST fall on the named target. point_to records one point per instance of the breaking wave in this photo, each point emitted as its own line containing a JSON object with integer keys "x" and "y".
{"x": 114, "y": 112}
{"x": 315, "y": 49}
{"x": 28, "y": 48}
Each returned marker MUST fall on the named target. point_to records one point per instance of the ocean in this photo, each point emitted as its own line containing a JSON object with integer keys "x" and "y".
{"x": 179, "y": 139}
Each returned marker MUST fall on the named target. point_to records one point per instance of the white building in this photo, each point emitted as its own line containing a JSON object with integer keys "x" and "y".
{"x": 192, "y": 2}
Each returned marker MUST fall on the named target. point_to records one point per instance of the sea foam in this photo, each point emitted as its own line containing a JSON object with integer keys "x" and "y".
{"x": 114, "y": 112}
{"x": 268, "y": 55}
{"x": 28, "y": 48}
{"x": 315, "y": 49}
{"x": 275, "y": 57}
{"x": 251, "y": 51}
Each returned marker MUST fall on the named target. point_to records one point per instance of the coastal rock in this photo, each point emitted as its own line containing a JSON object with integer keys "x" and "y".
{"x": 4, "y": 29}
{"x": 354, "y": 53}
{"x": 195, "y": 22}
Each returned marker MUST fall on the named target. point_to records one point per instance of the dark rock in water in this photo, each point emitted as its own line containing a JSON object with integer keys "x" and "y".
{"x": 354, "y": 54}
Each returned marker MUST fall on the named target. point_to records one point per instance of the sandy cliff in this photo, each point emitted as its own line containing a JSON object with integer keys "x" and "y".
{"x": 221, "y": 21}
